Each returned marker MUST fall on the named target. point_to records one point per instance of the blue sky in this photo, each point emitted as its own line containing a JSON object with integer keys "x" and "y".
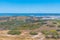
{"x": 29, "y": 6}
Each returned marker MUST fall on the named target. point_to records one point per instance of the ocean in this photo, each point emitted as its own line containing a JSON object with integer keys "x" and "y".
{"x": 29, "y": 14}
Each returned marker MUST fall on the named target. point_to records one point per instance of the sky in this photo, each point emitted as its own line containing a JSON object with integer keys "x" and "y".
{"x": 29, "y": 6}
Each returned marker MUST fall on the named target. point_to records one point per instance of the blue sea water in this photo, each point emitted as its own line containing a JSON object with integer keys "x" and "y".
{"x": 29, "y": 14}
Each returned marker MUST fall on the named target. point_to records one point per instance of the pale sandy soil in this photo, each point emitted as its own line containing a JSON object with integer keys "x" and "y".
{"x": 23, "y": 36}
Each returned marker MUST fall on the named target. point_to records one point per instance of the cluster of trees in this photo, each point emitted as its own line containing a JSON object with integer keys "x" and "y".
{"x": 51, "y": 34}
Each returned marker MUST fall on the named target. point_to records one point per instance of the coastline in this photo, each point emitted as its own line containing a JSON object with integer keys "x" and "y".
{"x": 29, "y": 14}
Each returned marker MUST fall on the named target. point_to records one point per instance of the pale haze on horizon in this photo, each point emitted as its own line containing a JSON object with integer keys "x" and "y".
{"x": 29, "y": 6}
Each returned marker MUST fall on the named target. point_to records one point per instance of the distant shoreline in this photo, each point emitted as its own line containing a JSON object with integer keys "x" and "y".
{"x": 29, "y": 14}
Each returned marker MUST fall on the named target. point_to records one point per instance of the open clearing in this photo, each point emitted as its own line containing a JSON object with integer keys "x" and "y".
{"x": 23, "y": 36}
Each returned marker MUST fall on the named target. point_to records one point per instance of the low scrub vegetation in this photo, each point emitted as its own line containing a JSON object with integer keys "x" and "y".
{"x": 51, "y": 34}
{"x": 14, "y": 32}
{"x": 59, "y": 26}
{"x": 33, "y": 33}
